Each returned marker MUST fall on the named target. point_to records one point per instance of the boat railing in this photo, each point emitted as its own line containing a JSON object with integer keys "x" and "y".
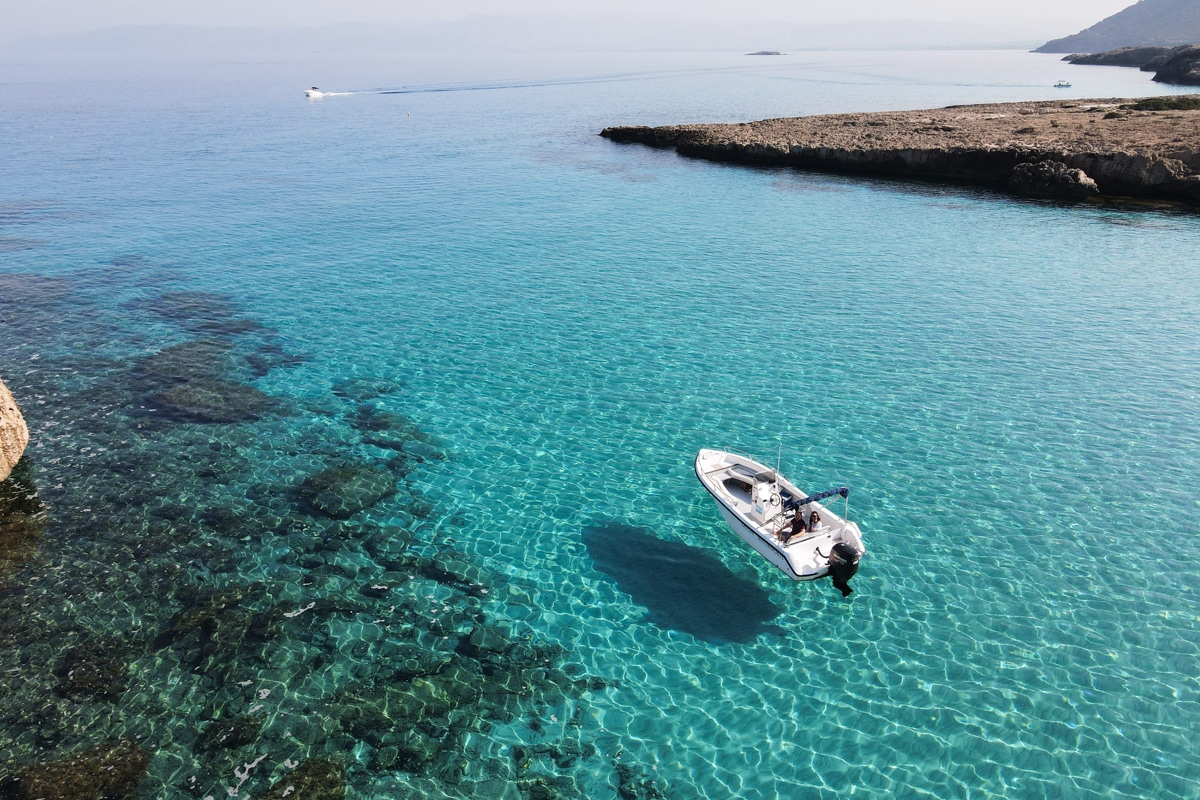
{"x": 773, "y": 473}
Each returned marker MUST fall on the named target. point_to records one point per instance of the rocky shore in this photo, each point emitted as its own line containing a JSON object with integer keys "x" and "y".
{"x": 1177, "y": 65}
{"x": 1072, "y": 149}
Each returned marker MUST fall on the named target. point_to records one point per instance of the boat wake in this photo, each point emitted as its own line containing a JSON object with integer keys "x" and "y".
{"x": 487, "y": 87}
{"x": 530, "y": 84}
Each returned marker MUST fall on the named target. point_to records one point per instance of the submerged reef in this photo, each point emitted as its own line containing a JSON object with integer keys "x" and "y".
{"x": 94, "y": 669}
{"x": 1077, "y": 148}
{"x": 22, "y": 519}
{"x": 203, "y": 312}
{"x": 214, "y": 400}
{"x": 213, "y": 592}
{"x": 198, "y": 381}
{"x": 315, "y": 779}
{"x": 343, "y": 491}
{"x": 110, "y": 771}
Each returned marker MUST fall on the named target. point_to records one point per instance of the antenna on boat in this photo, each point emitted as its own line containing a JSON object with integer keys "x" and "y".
{"x": 778, "y": 463}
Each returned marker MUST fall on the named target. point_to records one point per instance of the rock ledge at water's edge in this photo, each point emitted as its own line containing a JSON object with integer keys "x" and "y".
{"x": 1131, "y": 148}
{"x": 14, "y": 435}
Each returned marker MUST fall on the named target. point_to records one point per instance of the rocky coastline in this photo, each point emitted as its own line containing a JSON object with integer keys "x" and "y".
{"x": 1145, "y": 149}
{"x": 1175, "y": 65}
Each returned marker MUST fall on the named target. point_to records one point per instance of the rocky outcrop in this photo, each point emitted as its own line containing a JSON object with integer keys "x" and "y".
{"x": 1174, "y": 65}
{"x": 1051, "y": 179}
{"x": 1139, "y": 57}
{"x": 1066, "y": 149}
{"x": 14, "y": 435}
{"x": 1181, "y": 68}
{"x": 1149, "y": 22}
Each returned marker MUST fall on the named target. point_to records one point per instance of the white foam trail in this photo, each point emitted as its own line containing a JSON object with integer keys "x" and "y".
{"x": 533, "y": 84}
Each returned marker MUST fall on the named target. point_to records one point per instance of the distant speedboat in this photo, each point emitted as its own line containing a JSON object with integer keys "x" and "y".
{"x": 313, "y": 91}
{"x": 1063, "y": 85}
{"x": 788, "y": 527}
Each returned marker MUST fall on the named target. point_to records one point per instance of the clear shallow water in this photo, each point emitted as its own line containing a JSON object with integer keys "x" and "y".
{"x": 1008, "y": 388}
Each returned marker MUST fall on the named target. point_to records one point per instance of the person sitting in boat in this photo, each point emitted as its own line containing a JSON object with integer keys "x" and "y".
{"x": 813, "y": 520}
{"x": 793, "y": 527}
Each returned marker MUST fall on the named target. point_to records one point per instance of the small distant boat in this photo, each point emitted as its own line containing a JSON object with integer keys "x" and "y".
{"x": 313, "y": 91}
{"x": 788, "y": 527}
{"x": 1063, "y": 85}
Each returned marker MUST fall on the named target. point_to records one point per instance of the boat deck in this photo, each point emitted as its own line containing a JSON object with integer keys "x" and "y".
{"x": 735, "y": 480}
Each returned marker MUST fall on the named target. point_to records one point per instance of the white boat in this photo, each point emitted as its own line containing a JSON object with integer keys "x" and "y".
{"x": 766, "y": 509}
{"x": 313, "y": 91}
{"x": 1062, "y": 85}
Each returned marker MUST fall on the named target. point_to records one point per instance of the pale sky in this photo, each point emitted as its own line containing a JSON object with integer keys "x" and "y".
{"x": 21, "y": 17}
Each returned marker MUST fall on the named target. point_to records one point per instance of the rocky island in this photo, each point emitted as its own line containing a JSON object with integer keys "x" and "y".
{"x": 1147, "y": 148}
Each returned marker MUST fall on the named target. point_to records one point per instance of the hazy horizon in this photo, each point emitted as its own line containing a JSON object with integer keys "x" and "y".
{"x": 1049, "y": 18}
{"x": 533, "y": 33}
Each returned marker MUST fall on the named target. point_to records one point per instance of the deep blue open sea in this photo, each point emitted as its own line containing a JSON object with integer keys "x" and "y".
{"x": 363, "y": 432}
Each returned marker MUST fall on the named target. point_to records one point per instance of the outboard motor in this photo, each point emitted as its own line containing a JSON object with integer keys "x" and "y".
{"x": 843, "y": 564}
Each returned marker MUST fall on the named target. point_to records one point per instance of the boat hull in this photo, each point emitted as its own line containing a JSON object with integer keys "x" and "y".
{"x": 728, "y": 477}
{"x": 764, "y": 549}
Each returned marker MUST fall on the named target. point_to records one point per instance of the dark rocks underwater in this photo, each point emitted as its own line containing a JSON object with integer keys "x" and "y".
{"x": 210, "y": 591}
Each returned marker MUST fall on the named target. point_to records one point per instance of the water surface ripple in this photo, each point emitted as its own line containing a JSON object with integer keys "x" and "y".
{"x": 323, "y": 394}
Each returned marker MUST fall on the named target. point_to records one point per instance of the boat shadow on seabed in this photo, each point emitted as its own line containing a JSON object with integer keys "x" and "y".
{"x": 684, "y": 588}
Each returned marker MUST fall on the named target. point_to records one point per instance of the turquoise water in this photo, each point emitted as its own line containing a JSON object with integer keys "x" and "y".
{"x": 1008, "y": 387}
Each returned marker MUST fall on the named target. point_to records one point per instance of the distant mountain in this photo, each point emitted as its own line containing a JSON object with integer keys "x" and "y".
{"x": 530, "y": 33}
{"x": 1150, "y": 22}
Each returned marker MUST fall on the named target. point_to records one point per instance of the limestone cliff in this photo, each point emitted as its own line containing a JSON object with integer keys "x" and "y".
{"x": 13, "y": 433}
